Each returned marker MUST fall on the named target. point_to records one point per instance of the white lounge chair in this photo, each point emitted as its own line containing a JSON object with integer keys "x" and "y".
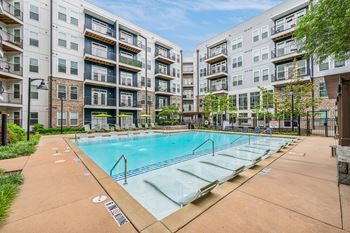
{"x": 87, "y": 128}
{"x": 177, "y": 191}
{"x": 251, "y": 157}
{"x": 229, "y": 163}
{"x": 152, "y": 125}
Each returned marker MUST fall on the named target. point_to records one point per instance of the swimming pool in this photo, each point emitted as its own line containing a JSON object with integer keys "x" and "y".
{"x": 164, "y": 175}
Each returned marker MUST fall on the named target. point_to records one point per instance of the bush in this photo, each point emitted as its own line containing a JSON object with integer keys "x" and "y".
{"x": 39, "y": 128}
{"x": 18, "y": 149}
{"x": 16, "y": 133}
{"x": 9, "y": 186}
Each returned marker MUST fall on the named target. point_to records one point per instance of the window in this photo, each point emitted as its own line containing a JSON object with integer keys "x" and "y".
{"x": 33, "y": 65}
{"x": 34, "y": 39}
{"x": 74, "y": 18}
{"x": 73, "y": 116}
{"x": 17, "y": 9}
{"x": 256, "y": 55}
{"x": 256, "y": 35}
{"x": 74, "y": 43}
{"x": 256, "y": 76}
{"x": 74, "y": 67}
{"x": 323, "y": 90}
{"x": 254, "y": 99}
{"x": 237, "y": 80}
{"x": 62, "y": 39}
{"x": 243, "y": 101}
{"x": 34, "y": 118}
{"x": 16, "y": 91}
{"x": 34, "y": 12}
{"x": 17, "y": 35}
{"x": 234, "y": 101}
{"x": 339, "y": 63}
{"x": 34, "y": 94}
{"x": 149, "y": 82}
{"x": 61, "y": 92}
{"x": 62, "y": 65}
{"x": 62, "y": 15}
{"x": 264, "y": 53}
{"x": 265, "y": 74}
{"x": 264, "y": 32}
{"x": 324, "y": 65}
{"x": 73, "y": 93}
{"x": 64, "y": 119}
{"x": 237, "y": 62}
{"x": 237, "y": 43}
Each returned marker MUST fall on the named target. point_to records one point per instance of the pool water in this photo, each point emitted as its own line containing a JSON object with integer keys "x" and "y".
{"x": 143, "y": 151}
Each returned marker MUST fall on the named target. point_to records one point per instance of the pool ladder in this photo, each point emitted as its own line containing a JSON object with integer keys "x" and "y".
{"x": 241, "y": 137}
{"x": 212, "y": 146}
{"x": 125, "y": 167}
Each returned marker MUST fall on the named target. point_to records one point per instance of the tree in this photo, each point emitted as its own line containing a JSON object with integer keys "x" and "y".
{"x": 324, "y": 31}
{"x": 263, "y": 107}
{"x": 218, "y": 105}
{"x": 170, "y": 112}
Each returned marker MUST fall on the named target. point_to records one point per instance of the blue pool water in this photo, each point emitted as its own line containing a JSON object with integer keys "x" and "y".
{"x": 143, "y": 151}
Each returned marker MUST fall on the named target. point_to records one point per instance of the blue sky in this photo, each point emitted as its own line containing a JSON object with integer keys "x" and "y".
{"x": 186, "y": 22}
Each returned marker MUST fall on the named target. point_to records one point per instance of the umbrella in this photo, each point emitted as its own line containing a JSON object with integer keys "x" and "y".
{"x": 123, "y": 116}
{"x": 145, "y": 116}
{"x": 103, "y": 115}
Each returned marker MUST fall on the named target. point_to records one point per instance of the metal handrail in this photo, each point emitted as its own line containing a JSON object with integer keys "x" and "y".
{"x": 125, "y": 167}
{"x": 212, "y": 145}
{"x": 236, "y": 139}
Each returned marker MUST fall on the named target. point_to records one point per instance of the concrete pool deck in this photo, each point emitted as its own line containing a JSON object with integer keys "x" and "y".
{"x": 298, "y": 193}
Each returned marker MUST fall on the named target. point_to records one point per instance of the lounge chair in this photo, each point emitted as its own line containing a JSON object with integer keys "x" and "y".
{"x": 210, "y": 173}
{"x": 271, "y": 147}
{"x": 146, "y": 126}
{"x": 231, "y": 164}
{"x": 87, "y": 128}
{"x": 268, "y": 131}
{"x": 106, "y": 128}
{"x": 245, "y": 129}
{"x": 177, "y": 191}
{"x": 152, "y": 125}
{"x": 254, "y": 158}
{"x": 257, "y": 130}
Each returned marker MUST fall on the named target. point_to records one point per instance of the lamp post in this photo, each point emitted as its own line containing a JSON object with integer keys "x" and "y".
{"x": 42, "y": 86}
{"x": 291, "y": 93}
{"x": 62, "y": 99}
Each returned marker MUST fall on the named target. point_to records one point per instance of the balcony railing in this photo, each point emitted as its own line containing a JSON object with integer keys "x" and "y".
{"x": 130, "y": 104}
{"x": 285, "y": 75}
{"x": 11, "y": 68}
{"x": 188, "y": 108}
{"x": 167, "y": 55}
{"x": 129, "y": 61}
{"x": 218, "y": 69}
{"x": 8, "y": 37}
{"x": 11, "y": 9}
{"x": 101, "y": 53}
{"x": 188, "y": 96}
{"x": 127, "y": 82}
{"x": 222, "y": 87}
{"x": 214, "y": 53}
{"x": 284, "y": 26}
{"x": 130, "y": 40}
{"x": 286, "y": 50}
{"x": 100, "y": 29}
{"x": 163, "y": 89}
{"x": 162, "y": 71}
{"x": 11, "y": 98}
{"x": 100, "y": 101}
{"x": 187, "y": 69}
{"x": 109, "y": 78}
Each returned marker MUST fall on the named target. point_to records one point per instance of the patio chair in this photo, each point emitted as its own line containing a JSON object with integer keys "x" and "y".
{"x": 106, "y": 128}
{"x": 245, "y": 129}
{"x": 231, "y": 164}
{"x": 236, "y": 128}
{"x": 87, "y": 128}
{"x": 268, "y": 130}
{"x": 152, "y": 125}
{"x": 257, "y": 130}
{"x": 146, "y": 126}
{"x": 177, "y": 191}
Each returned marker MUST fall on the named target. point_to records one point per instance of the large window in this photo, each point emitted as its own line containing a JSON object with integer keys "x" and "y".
{"x": 339, "y": 63}
{"x": 74, "y": 18}
{"x": 237, "y": 62}
{"x": 34, "y": 118}
{"x": 234, "y": 101}
{"x": 264, "y": 53}
{"x": 61, "y": 91}
{"x": 256, "y": 76}
{"x": 256, "y": 35}
{"x": 126, "y": 78}
{"x": 62, "y": 66}
{"x": 99, "y": 73}
{"x": 323, "y": 90}
{"x": 264, "y": 32}
{"x": 237, "y": 43}
{"x": 74, "y": 43}
{"x": 256, "y": 55}
{"x": 243, "y": 101}
{"x": 73, "y": 118}
{"x": 74, "y": 68}
{"x": 62, "y": 39}
{"x": 34, "y": 94}
{"x": 265, "y": 74}
{"x": 73, "y": 93}
{"x": 64, "y": 119}
{"x": 34, "y": 12}
{"x": 34, "y": 39}
{"x": 62, "y": 13}
{"x": 254, "y": 99}
{"x": 237, "y": 80}
{"x": 34, "y": 65}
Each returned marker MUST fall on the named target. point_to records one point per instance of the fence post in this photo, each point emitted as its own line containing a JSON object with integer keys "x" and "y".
{"x": 326, "y": 125}
{"x": 299, "y": 130}
{"x": 307, "y": 125}
{"x": 3, "y": 129}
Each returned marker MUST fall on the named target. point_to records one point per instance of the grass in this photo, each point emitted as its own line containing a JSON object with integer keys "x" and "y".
{"x": 9, "y": 187}
{"x": 18, "y": 149}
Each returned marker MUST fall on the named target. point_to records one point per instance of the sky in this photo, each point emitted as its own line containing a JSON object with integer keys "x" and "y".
{"x": 186, "y": 22}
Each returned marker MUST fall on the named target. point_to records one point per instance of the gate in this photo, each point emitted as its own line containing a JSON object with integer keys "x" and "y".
{"x": 321, "y": 124}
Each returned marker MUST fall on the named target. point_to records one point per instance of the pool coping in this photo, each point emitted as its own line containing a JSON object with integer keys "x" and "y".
{"x": 142, "y": 219}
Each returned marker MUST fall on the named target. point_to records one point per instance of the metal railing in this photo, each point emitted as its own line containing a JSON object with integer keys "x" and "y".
{"x": 285, "y": 50}
{"x": 170, "y": 56}
{"x": 284, "y": 26}
{"x": 11, "y": 68}
{"x": 102, "y": 53}
{"x": 285, "y": 75}
{"x": 237, "y": 139}
{"x": 8, "y": 37}
{"x": 217, "y": 52}
{"x": 11, "y": 9}
{"x": 109, "y": 78}
{"x": 130, "y": 104}
{"x": 163, "y": 89}
{"x": 212, "y": 146}
{"x": 125, "y": 167}
{"x": 100, "y": 101}
{"x": 218, "y": 69}
{"x": 129, "y": 61}
{"x": 100, "y": 29}
{"x": 126, "y": 82}
{"x": 11, "y": 98}
{"x": 130, "y": 40}
{"x": 222, "y": 87}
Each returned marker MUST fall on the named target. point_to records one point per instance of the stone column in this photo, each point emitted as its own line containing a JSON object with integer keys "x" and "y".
{"x": 344, "y": 112}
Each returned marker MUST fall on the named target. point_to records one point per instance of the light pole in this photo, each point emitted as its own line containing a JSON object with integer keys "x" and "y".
{"x": 291, "y": 93}
{"x": 62, "y": 99}
{"x": 42, "y": 86}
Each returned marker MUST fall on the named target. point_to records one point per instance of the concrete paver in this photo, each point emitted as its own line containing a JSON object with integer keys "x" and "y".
{"x": 15, "y": 164}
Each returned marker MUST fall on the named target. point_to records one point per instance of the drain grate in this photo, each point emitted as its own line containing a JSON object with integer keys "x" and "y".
{"x": 99, "y": 198}
{"x": 265, "y": 171}
{"x": 116, "y": 213}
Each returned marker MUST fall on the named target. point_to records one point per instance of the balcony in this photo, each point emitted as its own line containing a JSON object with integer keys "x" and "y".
{"x": 99, "y": 32}
{"x": 163, "y": 91}
{"x": 217, "y": 72}
{"x": 285, "y": 53}
{"x": 187, "y": 70}
{"x": 9, "y": 14}
{"x": 10, "y": 43}
{"x": 216, "y": 56}
{"x": 11, "y": 100}
{"x": 188, "y": 97}
{"x": 130, "y": 105}
{"x": 100, "y": 56}
{"x": 284, "y": 30}
{"x": 130, "y": 43}
{"x": 188, "y": 108}
{"x": 164, "y": 74}
{"x": 128, "y": 84}
{"x": 218, "y": 88}
{"x": 130, "y": 64}
{"x": 165, "y": 57}
{"x": 100, "y": 103}
{"x": 10, "y": 70}
{"x": 103, "y": 80}
{"x": 188, "y": 84}
{"x": 281, "y": 78}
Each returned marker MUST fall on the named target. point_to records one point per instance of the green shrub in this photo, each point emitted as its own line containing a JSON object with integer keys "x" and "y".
{"x": 9, "y": 186}
{"x": 37, "y": 128}
{"x": 16, "y": 133}
{"x": 66, "y": 130}
{"x": 18, "y": 149}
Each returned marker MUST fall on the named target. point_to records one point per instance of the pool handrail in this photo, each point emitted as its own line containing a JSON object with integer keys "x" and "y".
{"x": 212, "y": 146}
{"x": 125, "y": 167}
{"x": 237, "y": 139}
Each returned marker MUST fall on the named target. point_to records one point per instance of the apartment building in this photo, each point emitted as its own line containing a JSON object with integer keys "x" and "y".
{"x": 260, "y": 53}
{"x": 189, "y": 84}
{"x": 92, "y": 61}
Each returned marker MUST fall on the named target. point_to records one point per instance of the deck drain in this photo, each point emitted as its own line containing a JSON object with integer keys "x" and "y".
{"x": 301, "y": 154}
{"x": 116, "y": 213}
{"x": 60, "y": 161}
{"x": 67, "y": 150}
{"x": 99, "y": 199}
{"x": 87, "y": 174}
{"x": 265, "y": 171}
